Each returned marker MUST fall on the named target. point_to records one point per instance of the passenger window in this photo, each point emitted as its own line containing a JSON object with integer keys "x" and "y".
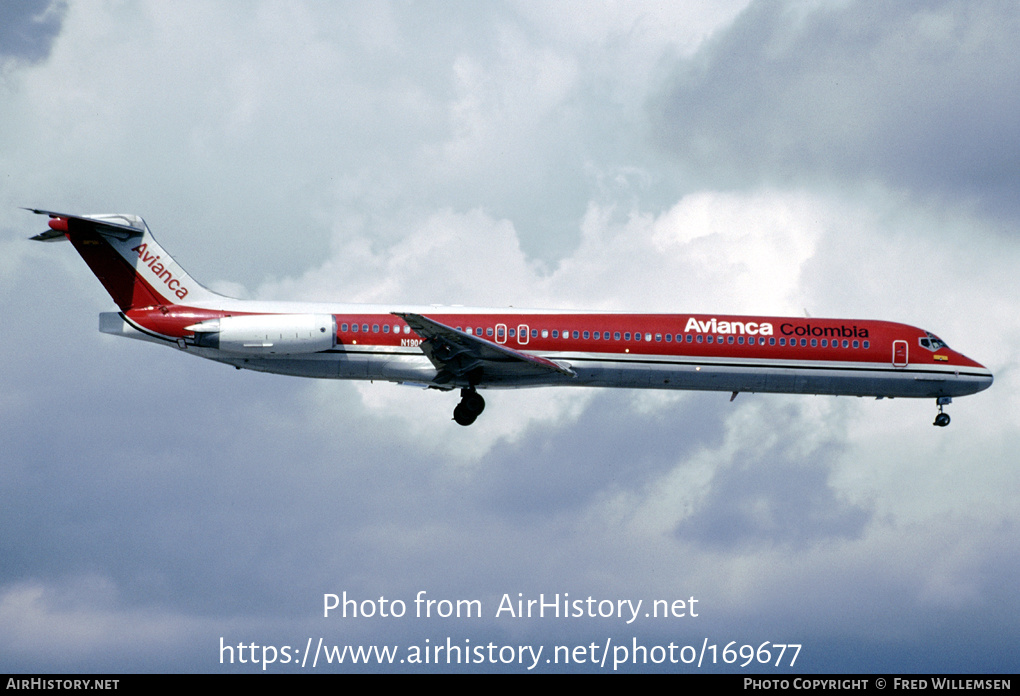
{"x": 729, "y": 339}
{"x": 343, "y": 327}
{"x": 700, "y": 338}
{"x": 488, "y": 331}
{"x": 669, "y": 338}
{"x": 710, "y": 339}
{"x": 857, "y": 344}
{"x": 648, "y": 337}
{"x": 740, "y": 340}
{"x": 586, "y": 335}
{"x": 616, "y": 336}
{"x": 626, "y": 336}
{"x": 782, "y": 341}
{"x": 556, "y": 333}
{"x": 867, "y": 344}
{"x": 364, "y": 328}
{"x": 846, "y": 343}
{"x": 575, "y": 334}
{"x": 386, "y": 328}
{"x": 534, "y": 333}
{"x": 814, "y": 342}
{"x": 545, "y": 333}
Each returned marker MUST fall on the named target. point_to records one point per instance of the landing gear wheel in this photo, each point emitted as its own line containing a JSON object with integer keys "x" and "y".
{"x": 473, "y": 401}
{"x": 470, "y": 407}
{"x": 942, "y": 420}
{"x": 463, "y": 416}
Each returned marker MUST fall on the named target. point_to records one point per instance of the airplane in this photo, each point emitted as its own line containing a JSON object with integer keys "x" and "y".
{"x": 449, "y": 348}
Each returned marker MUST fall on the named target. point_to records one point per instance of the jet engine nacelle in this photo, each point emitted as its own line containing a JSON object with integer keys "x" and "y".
{"x": 268, "y": 334}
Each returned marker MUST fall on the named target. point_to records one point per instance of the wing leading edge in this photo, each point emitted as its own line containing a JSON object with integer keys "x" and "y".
{"x": 464, "y": 359}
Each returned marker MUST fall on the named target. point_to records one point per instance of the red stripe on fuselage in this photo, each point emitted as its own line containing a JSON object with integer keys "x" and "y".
{"x": 791, "y": 331}
{"x": 879, "y": 335}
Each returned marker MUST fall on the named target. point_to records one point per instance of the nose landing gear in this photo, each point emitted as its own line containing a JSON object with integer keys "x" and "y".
{"x": 942, "y": 419}
{"x": 470, "y": 407}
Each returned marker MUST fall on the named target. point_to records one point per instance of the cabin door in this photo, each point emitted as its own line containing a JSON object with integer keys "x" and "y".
{"x": 899, "y": 353}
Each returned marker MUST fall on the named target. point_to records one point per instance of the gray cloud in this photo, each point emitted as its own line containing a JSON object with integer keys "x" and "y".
{"x": 775, "y": 496}
{"x": 28, "y": 29}
{"x": 554, "y": 469}
{"x": 911, "y": 94}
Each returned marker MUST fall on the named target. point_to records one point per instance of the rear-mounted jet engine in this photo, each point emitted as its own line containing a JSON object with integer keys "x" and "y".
{"x": 268, "y": 334}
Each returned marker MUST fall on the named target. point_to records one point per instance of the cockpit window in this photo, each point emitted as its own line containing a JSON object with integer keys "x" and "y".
{"x": 932, "y": 342}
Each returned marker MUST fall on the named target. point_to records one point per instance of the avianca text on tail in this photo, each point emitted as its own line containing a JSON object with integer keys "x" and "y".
{"x": 469, "y": 349}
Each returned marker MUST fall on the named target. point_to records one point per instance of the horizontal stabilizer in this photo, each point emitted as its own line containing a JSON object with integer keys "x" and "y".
{"x": 50, "y": 236}
{"x": 119, "y": 226}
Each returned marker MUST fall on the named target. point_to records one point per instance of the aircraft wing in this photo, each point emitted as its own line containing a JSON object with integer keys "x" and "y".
{"x": 459, "y": 356}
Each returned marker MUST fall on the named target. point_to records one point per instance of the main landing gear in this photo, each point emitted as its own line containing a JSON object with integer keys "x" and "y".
{"x": 942, "y": 419}
{"x": 471, "y": 406}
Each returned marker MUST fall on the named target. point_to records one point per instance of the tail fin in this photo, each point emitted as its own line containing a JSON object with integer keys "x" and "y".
{"x": 121, "y": 251}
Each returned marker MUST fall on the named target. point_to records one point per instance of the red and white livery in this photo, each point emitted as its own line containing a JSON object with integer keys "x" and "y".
{"x": 469, "y": 349}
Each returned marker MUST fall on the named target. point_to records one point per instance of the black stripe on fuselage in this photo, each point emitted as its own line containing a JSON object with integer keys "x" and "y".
{"x": 814, "y": 365}
{"x": 721, "y": 362}
{"x": 141, "y": 329}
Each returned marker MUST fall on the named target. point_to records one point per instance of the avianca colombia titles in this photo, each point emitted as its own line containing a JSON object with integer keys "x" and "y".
{"x": 468, "y": 349}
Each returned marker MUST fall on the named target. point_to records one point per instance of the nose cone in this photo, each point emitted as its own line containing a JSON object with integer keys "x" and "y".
{"x": 986, "y": 380}
{"x": 976, "y": 376}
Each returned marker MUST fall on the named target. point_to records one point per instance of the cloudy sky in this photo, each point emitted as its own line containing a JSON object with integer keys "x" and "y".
{"x": 851, "y": 159}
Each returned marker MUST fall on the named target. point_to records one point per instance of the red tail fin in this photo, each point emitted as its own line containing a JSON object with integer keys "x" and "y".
{"x": 129, "y": 263}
